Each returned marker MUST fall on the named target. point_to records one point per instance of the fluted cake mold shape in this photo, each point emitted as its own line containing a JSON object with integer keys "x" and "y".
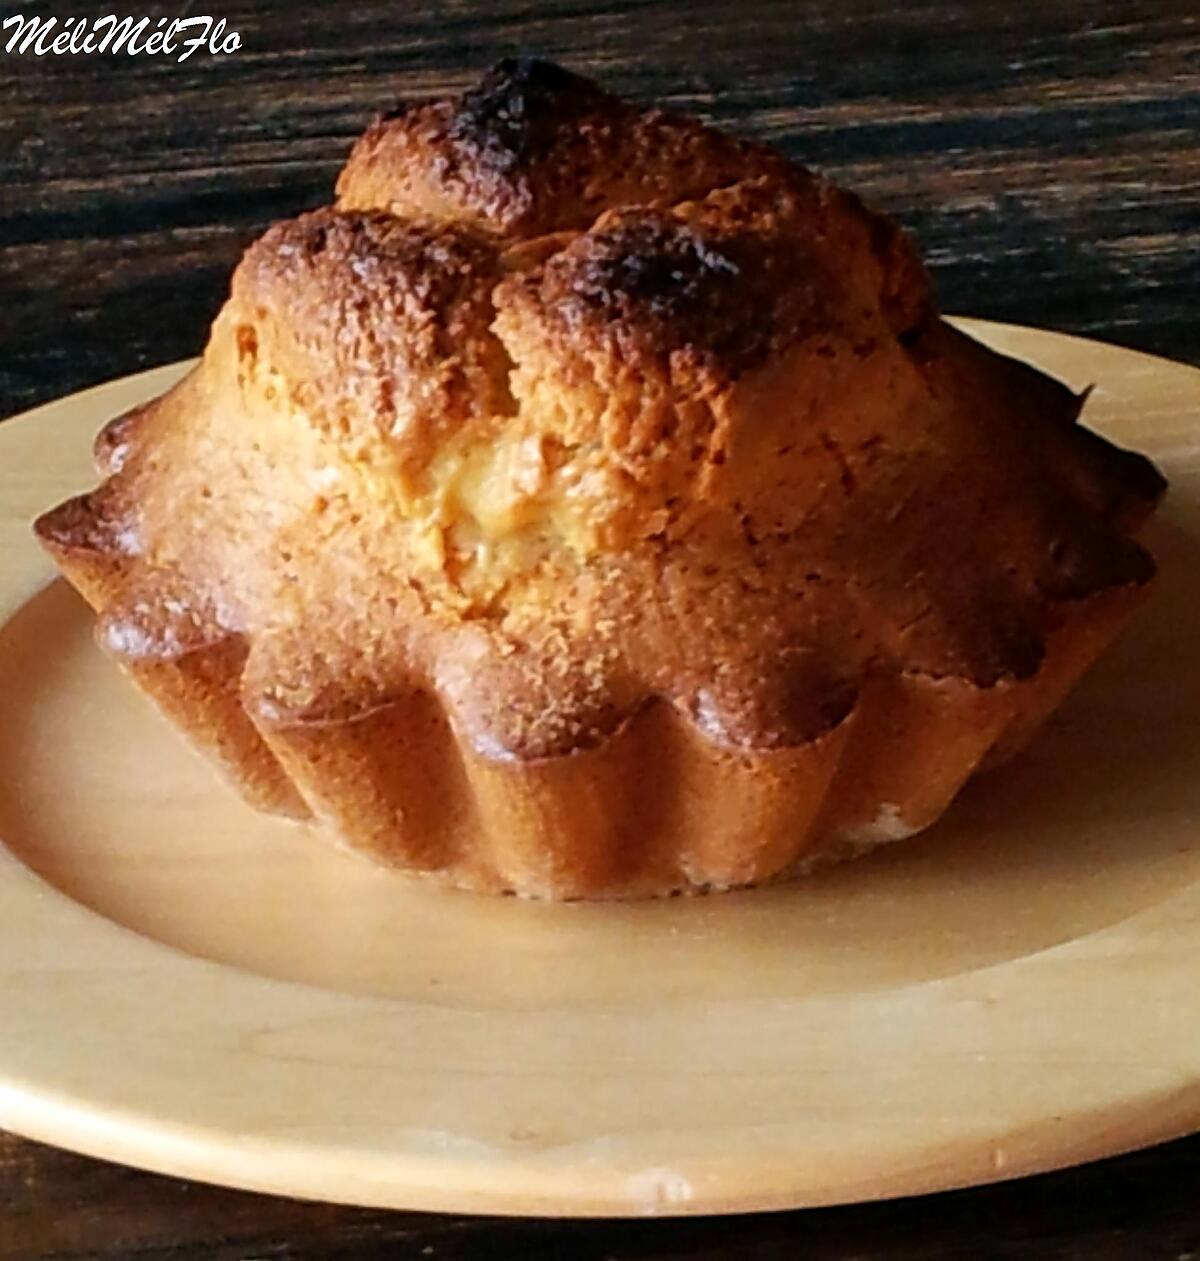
{"x": 590, "y": 504}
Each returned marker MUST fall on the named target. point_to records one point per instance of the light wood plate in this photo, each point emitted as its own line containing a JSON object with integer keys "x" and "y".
{"x": 190, "y": 987}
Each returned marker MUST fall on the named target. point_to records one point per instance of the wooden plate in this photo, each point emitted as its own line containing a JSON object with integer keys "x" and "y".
{"x": 192, "y": 988}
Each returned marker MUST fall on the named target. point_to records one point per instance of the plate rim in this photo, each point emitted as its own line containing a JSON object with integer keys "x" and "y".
{"x": 100, "y": 1109}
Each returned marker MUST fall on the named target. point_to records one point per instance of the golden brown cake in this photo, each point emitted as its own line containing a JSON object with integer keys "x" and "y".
{"x": 590, "y": 504}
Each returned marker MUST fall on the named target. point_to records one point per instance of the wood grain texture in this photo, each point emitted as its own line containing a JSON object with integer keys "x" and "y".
{"x": 1047, "y": 157}
{"x": 1044, "y": 154}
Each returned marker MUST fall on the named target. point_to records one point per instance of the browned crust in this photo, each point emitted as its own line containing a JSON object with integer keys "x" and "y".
{"x": 174, "y": 651}
{"x": 379, "y": 325}
{"x": 592, "y": 504}
{"x": 534, "y": 149}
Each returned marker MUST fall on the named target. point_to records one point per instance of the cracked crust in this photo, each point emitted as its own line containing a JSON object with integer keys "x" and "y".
{"x": 591, "y": 504}
{"x": 534, "y": 149}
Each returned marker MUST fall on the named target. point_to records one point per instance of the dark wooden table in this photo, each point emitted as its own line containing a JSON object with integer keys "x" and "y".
{"x": 1047, "y": 155}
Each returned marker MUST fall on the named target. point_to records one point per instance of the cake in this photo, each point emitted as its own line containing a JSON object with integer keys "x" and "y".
{"x": 589, "y": 504}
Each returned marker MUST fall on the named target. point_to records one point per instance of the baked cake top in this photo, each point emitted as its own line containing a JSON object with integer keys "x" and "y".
{"x": 568, "y": 403}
